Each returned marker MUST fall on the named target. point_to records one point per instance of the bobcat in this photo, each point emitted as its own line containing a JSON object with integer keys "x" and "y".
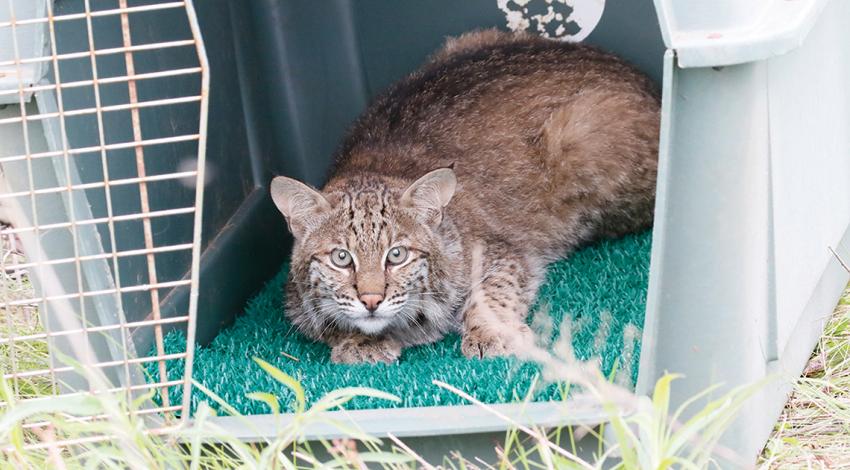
{"x": 458, "y": 185}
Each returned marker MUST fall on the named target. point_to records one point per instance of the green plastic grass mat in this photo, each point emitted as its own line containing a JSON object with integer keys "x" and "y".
{"x": 601, "y": 290}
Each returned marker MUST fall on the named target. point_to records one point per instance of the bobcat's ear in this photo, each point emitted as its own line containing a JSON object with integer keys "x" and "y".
{"x": 430, "y": 194}
{"x": 299, "y": 203}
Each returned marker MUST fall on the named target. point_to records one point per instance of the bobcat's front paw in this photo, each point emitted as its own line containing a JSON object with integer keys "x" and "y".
{"x": 360, "y": 349}
{"x": 503, "y": 340}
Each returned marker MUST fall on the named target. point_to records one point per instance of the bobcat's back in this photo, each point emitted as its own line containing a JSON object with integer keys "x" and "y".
{"x": 554, "y": 144}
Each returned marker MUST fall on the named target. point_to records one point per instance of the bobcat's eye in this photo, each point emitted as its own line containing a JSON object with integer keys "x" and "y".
{"x": 341, "y": 258}
{"x": 397, "y": 255}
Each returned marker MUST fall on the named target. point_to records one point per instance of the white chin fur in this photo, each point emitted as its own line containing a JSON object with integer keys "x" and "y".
{"x": 371, "y": 326}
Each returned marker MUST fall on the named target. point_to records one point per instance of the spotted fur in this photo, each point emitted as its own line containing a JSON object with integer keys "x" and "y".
{"x": 552, "y": 145}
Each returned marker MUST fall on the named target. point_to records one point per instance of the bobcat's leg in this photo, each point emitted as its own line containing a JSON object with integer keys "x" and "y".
{"x": 503, "y": 287}
{"x": 354, "y": 348}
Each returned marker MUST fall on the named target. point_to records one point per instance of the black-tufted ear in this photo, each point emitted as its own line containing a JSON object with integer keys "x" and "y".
{"x": 300, "y": 204}
{"x": 430, "y": 194}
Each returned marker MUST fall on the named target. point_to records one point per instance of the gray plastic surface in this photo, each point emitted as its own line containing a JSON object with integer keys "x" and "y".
{"x": 751, "y": 198}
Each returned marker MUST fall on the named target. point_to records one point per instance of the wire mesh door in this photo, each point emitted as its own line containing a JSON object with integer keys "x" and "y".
{"x": 103, "y": 107}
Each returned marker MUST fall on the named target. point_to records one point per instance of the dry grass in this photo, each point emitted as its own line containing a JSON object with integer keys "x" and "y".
{"x": 20, "y": 321}
{"x": 814, "y": 429}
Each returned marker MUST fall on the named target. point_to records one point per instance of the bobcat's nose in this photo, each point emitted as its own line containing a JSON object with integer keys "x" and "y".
{"x": 371, "y": 301}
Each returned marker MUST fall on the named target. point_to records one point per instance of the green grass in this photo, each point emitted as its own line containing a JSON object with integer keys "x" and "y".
{"x": 645, "y": 434}
{"x": 598, "y": 295}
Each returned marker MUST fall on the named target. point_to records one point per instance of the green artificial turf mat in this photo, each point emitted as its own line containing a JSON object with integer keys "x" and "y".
{"x": 601, "y": 289}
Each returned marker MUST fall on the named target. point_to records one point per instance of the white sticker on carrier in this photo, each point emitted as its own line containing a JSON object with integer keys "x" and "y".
{"x": 566, "y": 20}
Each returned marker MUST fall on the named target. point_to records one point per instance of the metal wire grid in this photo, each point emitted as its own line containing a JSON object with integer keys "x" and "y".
{"x": 22, "y": 304}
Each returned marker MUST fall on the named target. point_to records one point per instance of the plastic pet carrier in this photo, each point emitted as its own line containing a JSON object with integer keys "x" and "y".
{"x": 138, "y": 140}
